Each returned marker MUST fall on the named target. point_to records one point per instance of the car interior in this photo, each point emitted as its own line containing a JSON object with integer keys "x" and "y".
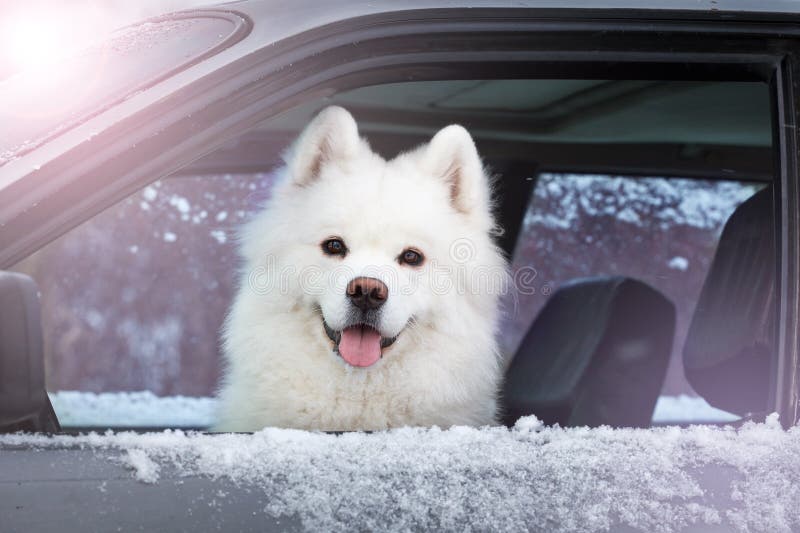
{"x": 598, "y": 349}
{"x": 727, "y": 356}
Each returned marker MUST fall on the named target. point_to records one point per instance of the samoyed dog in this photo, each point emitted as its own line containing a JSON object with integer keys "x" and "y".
{"x": 368, "y": 298}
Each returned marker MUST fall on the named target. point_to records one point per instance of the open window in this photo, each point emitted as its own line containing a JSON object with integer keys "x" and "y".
{"x": 596, "y": 179}
{"x": 608, "y": 146}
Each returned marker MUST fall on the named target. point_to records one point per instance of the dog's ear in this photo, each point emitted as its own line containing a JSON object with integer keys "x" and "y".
{"x": 452, "y": 157}
{"x": 332, "y": 137}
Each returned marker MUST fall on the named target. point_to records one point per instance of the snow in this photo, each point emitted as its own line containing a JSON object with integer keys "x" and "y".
{"x": 642, "y": 201}
{"x": 180, "y": 203}
{"x": 145, "y": 409}
{"x": 683, "y": 409}
{"x": 131, "y": 409}
{"x": 679, "y": 263}
{"x": 170, "y": 237}
{"x": 150, "y": 193}
{"x": 531, "y": 477}
{"x": 146, "y": 469}
{"x": 219, "y": 235}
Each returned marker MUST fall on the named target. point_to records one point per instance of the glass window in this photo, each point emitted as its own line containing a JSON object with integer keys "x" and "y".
{"x": 663, "y": 231}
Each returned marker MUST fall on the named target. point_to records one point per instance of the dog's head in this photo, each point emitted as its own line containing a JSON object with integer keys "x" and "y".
{"x": 378, "y": 247}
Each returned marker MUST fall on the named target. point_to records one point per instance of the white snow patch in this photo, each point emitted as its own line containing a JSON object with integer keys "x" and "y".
{"x": 150, "y": 193}
{"x": 131, "y": 409}
{"x": 219, "y": 235}
{"x": 145, "y": 468}
{"x": 678, "y": 263}
{"x": 180, "y": 203}
{"x": 530, "y": 478}
{"x": 684, "y": 409}
{"x": 528, "y": 423}
{"x": 222, "y": 215}
{"x": 628, "y": 215}
{"x": 170, "y": 237}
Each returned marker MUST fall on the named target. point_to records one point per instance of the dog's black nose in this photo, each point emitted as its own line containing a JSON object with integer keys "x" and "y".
{"x": 367, "y": 293}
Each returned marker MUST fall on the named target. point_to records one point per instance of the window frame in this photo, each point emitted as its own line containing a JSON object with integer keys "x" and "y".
{"x": 433, "y": 44}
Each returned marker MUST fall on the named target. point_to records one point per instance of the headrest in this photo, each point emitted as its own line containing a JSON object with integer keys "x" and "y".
{"x": 596, "y": 354}
{"x": 728, "y": 350}
{"x": 24, "y": 404}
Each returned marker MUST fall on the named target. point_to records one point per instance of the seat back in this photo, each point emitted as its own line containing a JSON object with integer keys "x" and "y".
{"x": 596, "y": 354}
{"x": 728, "y": 352}
{"x": 24, "y": 404}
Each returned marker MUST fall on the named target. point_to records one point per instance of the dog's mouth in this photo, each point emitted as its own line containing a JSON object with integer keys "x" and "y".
{"x": 359, "y": 345}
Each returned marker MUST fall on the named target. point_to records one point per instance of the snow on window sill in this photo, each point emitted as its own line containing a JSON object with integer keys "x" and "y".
{"x": 530, "y": 477}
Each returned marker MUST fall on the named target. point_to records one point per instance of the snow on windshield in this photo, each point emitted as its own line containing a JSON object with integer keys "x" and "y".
{"x": 528, "y": 478}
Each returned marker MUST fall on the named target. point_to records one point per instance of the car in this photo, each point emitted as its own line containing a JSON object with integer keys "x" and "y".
{"x": 648, "y": 190}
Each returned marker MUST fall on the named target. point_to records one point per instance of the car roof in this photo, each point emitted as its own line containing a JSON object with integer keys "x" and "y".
{"x": 273, "y": 24}
{"x": 345, "y": 8}
{"x": 277, "y": 20}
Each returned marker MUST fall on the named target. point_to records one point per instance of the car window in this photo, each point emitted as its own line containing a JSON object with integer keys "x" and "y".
{"x": 663, "y": 231}
{"x": 135, "y": 309}
{"x": 150, "y": 280}
{"x": 133, "y": 299}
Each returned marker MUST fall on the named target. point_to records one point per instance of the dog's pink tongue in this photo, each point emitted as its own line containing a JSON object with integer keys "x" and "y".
{"x": 360, "y": 346}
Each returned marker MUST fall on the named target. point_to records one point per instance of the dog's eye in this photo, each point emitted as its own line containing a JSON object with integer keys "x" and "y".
{"x": 411, "y": 257}
{"x": 334, "y": 247}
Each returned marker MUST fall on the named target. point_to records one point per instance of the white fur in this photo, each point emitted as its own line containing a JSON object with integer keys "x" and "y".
{"x": 443, "y": 368}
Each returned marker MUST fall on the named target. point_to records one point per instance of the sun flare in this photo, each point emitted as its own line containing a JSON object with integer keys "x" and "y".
{"x": 34, "y": 41}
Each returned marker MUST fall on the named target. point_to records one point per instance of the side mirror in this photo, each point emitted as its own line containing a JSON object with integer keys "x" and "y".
{"x": 24, "y": 404}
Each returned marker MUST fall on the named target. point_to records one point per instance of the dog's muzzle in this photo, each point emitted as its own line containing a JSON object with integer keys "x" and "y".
{"x": 360, "y": 344}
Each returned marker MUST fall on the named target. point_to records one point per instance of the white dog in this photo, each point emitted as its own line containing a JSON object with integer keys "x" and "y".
{"x": 369, "y": 296}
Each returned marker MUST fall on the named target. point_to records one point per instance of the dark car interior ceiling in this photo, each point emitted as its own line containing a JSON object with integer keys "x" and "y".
{"x": 682, "y": 128}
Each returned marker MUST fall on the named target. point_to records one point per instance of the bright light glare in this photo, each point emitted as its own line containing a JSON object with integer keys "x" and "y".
{"x": 37, "y": 36}
{"x": 34, "y": 42}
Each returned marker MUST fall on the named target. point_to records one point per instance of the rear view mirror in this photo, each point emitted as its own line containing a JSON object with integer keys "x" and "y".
{"x": 24, "y": 404}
